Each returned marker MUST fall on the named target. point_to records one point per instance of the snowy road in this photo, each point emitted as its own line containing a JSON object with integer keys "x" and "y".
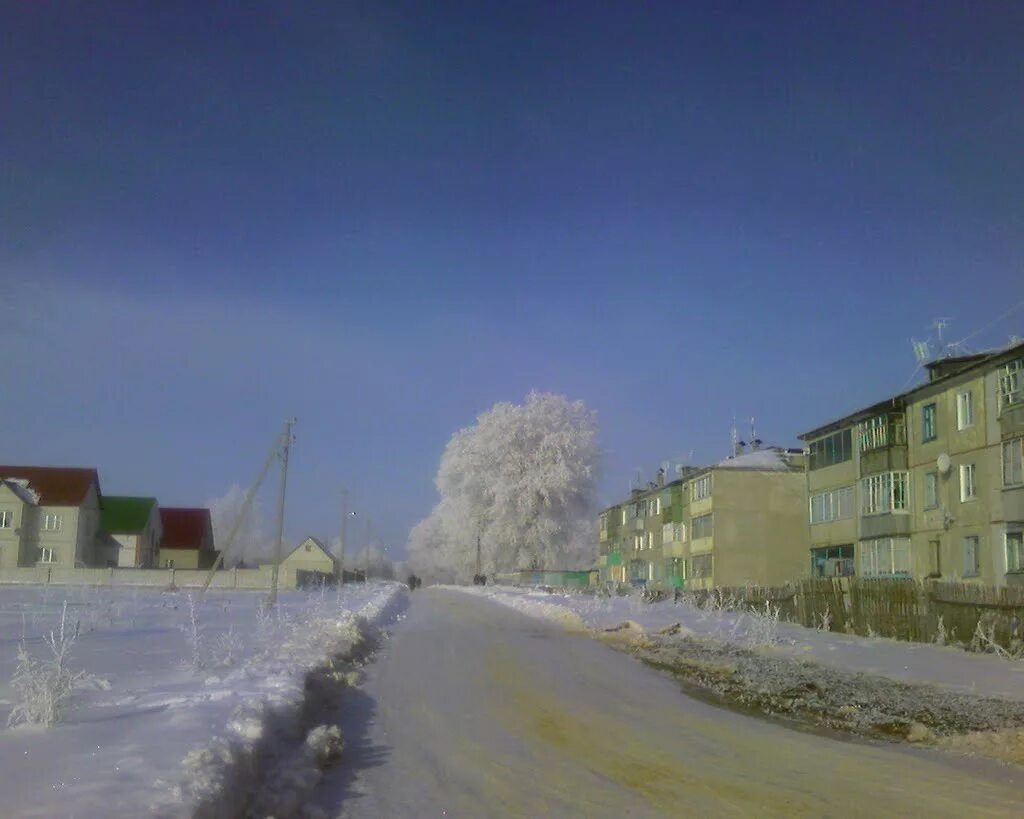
{"x": 475, "y": 710}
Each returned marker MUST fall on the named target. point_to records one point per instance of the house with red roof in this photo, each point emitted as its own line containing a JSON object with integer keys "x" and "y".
{"x": 187, "y": 538}
{"x": 50, "y": 516}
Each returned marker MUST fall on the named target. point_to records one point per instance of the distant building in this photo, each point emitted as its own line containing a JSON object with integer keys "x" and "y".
{"x": 187, "y": 541}
{"x": 928, "y": 482}
{"x": 739, "y": 522}
{"x": 310, "y": 557}
{"x": 52, "y": 519}
{"x": 133, "y": 531}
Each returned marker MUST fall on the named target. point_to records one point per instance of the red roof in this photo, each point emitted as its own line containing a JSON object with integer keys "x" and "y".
{"x": 56, "y": 485}
{"x": 186, "y": 528}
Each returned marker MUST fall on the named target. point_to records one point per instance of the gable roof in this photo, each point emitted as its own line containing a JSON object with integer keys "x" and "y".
{"x": 56, "y": 485}
{"x": 126, "y": 514}
{"x": 316, "y": 542}
{"x": 184, "y": 528}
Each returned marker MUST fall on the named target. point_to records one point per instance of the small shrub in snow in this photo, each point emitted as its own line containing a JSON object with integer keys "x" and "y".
{"x": 826, "y": 620}
{"x": 228, "y": 648}
{"x": 42, "y": 688}
{"x": 193, "y": 630}
{"x": 764, "y": 626}
{"x": 941, "y": 637}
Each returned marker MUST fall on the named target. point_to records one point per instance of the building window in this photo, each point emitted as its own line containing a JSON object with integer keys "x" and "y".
{"x": 931, "y": 490}
{"x": 6, "y": 520}
{"x": 701, "y": 488}
{"x": 701, "y": 527}
{"x": 623, "y": 515}
{"x": 51, "y": 522}
{"x": 1015, "y": 551}
{"x": 677, "y": 568}
{"x": 650, "y": 540}
{"x": 673, "y": 533}
{"x": 964, "y": 410}
{"x": 968, "y": 482}
{"x": 832, "y": 449}
{"x": 836, "y": 504}
{"x": 46, "y": 555}
{"x": 832, "y": 561}
{"x": 602, "y": 526}
{"x": 1011, "y": 383}
{"x": 928, "y": 422}
{"x": 934, "y": 558}
{"x": 972, "y": 558}
{"x": 701, "y": 565}
{"x": 884, "y": 492}
{"x": 885, "y": 557}
{"x": 168, "y": 564}
{"x": 881, "y": 431}
{"x": 1013, "y": 462}
{"x": 638, "y": 542}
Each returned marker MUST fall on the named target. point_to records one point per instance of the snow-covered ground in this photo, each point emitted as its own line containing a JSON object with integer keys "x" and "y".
{"x": 165, "y": 722}
{"x": 945, "y": 666}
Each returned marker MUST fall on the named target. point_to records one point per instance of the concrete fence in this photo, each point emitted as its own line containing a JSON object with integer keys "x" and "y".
{"x": 151, "y": 578}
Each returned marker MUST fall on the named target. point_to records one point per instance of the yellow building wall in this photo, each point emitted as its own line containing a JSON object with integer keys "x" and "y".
{"x": 760, "y": 527}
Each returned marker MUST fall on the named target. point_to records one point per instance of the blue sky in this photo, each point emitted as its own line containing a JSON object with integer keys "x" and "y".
{"x": 383, "y": 218}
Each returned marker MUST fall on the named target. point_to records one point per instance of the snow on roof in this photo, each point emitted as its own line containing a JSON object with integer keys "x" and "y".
{"x": 20, "y": 487}
{"x": 770, "y": 458}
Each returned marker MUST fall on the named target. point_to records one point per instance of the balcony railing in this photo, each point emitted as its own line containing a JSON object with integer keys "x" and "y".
{"x": 882, "y": 431}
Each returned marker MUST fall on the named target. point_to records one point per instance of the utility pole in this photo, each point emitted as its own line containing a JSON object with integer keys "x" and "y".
{"x": 344, "y": 532}
{"x": 366, "y": 564}
{"x": 478, "y": 549}
{"x": 286, "y": 444}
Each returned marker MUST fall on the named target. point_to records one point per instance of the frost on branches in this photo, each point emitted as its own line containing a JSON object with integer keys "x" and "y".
{"x": 522, "y": 479}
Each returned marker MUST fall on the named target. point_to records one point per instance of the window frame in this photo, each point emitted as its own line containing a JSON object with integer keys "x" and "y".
{"x": 1017, "y": 535}
{"x": 702, "y": 488}
{"x": 931, "y": 478}
{"x": 1007, "y": 447}
{"x": 1010, "y": 384}
{"x": 929, "y": 422}
{"x": 698, "y": 564}
{"x": 971, "y": 471}
{"x": 6, "y": 519}
{"x": 964, "y": 410}
{"x": 870, "y": 554}
{"x": 46, "y": 555}
{"x": 975, "y": 569}
{"x": 831, "y": 503}
{"x": 879, "y": 493}
{"x": 56, "y": 518}
{"x": 829, "y": 450}
{"x": 699, "y": 523}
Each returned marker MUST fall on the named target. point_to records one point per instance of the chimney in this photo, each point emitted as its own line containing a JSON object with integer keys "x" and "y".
{"x": 737, "y": 448}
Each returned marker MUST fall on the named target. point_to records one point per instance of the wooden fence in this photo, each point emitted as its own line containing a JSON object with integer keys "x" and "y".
{"x": 910, "y": 610}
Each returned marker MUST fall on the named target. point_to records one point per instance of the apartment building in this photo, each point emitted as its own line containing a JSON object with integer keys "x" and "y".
{"x": 927, "y": 483}
{"x": 741, "y": 521}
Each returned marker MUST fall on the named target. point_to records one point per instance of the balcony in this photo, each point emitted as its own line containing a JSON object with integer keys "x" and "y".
{"x": 882, "y": 442}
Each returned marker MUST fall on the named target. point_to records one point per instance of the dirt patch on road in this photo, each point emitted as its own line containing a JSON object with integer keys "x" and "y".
{"x": 853, "y": 702}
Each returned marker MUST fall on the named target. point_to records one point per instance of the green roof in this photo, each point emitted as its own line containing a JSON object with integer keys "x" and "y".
{"x": 125, "y": 515}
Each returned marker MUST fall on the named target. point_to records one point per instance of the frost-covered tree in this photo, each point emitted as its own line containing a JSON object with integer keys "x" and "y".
{"x": 522, "y": 481}
{"x": 251, "y": 542}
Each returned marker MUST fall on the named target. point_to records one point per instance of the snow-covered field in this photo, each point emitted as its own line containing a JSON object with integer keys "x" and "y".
{"x": 944, "y": 666}
{"x": 179, "y": 703}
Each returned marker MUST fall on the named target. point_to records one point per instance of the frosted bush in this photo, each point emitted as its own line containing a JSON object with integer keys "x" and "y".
{"x": 42, "y": 688}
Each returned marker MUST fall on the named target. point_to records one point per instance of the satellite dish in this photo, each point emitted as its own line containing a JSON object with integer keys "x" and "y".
{"x": 943, "y": 463}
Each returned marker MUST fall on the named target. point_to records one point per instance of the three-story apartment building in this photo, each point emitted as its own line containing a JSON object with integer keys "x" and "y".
{"x": 928, "y": 482}
{"x": 741, "y": 521}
